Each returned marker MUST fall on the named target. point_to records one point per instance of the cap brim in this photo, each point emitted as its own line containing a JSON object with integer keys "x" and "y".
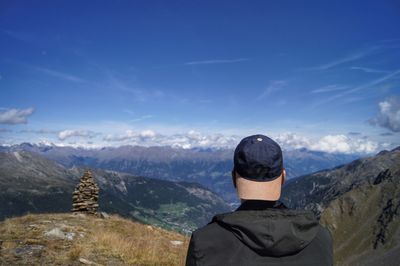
{"x": 269, "y": 190}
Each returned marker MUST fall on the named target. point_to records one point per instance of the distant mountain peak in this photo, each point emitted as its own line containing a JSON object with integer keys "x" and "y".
{"x": 396, "y": 149}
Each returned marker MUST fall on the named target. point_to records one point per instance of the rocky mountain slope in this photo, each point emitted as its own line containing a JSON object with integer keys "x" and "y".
{"x": 208, "y": 167}
{"x": 360, "y": 204}
{"x": 32, "y": 183}
{"x": 67, "y": 239}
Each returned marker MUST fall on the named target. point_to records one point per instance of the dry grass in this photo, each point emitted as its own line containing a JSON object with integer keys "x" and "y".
{"x": 113, "y": 241}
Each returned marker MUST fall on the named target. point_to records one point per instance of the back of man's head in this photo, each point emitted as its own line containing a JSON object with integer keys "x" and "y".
{"x": 258, "y": 172}
{"x": 261, "y": 231}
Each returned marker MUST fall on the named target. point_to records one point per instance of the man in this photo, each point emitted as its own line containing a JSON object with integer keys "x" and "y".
{"x": 261, "y": 231}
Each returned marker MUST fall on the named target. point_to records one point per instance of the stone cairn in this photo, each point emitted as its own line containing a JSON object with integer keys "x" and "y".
{"x": 86, "y": 195}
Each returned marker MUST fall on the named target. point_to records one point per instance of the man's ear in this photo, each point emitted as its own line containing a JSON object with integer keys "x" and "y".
{"x": 234, "y": 178}
{"x": 283, "y": 176}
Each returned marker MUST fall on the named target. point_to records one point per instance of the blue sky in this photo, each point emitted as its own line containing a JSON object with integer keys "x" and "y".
{"x": 201, "y": 73}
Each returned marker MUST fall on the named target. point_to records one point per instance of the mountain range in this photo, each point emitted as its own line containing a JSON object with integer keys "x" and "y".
{"x": 31, "y": 183}
{"x": 208, "y": 167}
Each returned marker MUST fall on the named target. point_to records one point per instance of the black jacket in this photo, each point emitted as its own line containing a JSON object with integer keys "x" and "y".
{"x": 261, "y": 233}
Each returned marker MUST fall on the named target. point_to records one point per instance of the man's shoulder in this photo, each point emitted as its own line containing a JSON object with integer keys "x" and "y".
{"x": 208, "y": 245}
{"x": 213, "y": 230}
{"x": 210, "y": 229}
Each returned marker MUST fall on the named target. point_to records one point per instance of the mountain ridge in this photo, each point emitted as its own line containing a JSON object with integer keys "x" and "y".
{"x": 360, "y": 205}
{"x": 210, "y": 168}
{"x": 24, "y": 175}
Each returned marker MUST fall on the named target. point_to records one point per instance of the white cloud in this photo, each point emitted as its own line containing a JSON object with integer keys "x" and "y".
{"x": 191, "y": 139}
{"x": 292, "y": 141}
{"x": 128, "y": 135}
{"x": 65, "y": 134}
{"x": 131, "y": 136}
{"x": 329, "y": 143}
{"x": 194, "y": 139}
{"x": 15, "y": 116}
{"x": 147, "y": 134}
{"x": 389, "y": 114}
{"x": 332, "y": 143}
{"x": 186, "y": 138}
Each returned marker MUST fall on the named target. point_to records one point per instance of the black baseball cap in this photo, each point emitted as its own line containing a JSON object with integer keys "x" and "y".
{"x": 258, "y": 158}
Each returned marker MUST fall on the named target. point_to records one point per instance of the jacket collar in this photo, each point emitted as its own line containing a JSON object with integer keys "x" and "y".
{"x": 260, "y": 205}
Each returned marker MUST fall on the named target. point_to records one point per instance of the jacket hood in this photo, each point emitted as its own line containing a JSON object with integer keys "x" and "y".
{"x": 271, "y": 232}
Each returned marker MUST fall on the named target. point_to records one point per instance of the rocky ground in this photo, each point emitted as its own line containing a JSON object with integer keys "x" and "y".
{"x": 77, "y": 239}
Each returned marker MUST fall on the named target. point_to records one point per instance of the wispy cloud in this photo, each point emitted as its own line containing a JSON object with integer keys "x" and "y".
{"x": 356, "y": 89}
{"x": 346, "y": 59}
{"x": 275, "y": 85}
{"x": 372, "y": 83}
{"x": 38, "y": 131}
{"x": 52, "y": 72}
{"x": 330, "y": 88}
{"x": 130, "y": 112}
{"x": 144, "y": 117}
{"x": 369, "y": 70}
{"x": 139, "y": 94}
{"x": 15, "y": 116}
{"x": 217, "y": 61}
{"x": 58, "y": 74}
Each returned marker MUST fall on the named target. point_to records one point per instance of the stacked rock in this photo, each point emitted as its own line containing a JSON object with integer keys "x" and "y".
{"x": 86, "y": 195}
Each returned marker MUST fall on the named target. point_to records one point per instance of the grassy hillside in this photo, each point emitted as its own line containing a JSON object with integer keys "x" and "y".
{"x": 365, "y": 226}
{"x": 360, "y": 204}
{"x": 68, "y": 239}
